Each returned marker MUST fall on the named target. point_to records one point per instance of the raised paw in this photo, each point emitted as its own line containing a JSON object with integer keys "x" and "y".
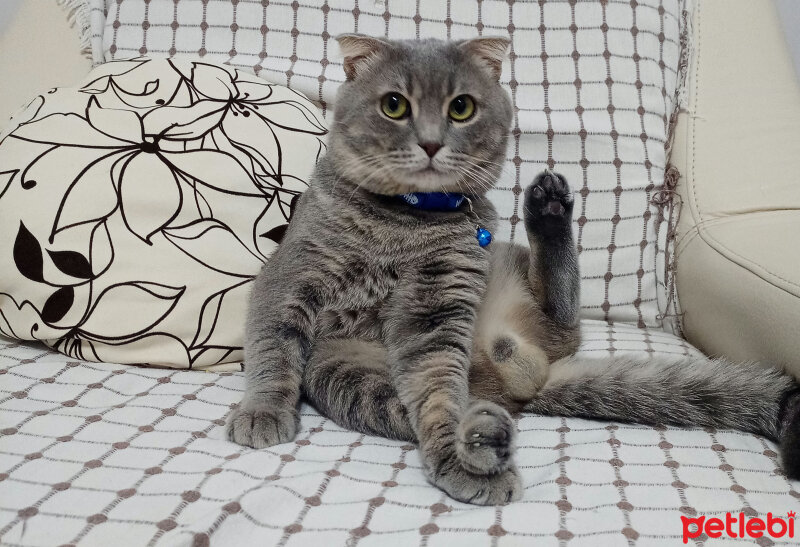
{"x": 496, "y": 489}
{"x": 548, "y": 202}
{"x": 260, "y": 425}
{"x": 485, "y": 438}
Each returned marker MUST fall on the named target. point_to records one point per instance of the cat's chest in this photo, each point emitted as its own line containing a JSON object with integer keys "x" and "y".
{"x": 365, "y": 284}
{"x": 371, "y": 278}
{"x": 354, "y": 303}
{"x": 374, "y": 258}
{"x": 374, "y": 284}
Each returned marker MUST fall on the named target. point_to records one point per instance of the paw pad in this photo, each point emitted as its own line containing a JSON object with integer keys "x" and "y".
{"x": 548, "y": 203}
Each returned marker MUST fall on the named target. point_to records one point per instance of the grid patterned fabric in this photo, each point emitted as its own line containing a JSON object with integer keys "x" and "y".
{"x": 105, "y": 454}
{"x": 593, "y": 85}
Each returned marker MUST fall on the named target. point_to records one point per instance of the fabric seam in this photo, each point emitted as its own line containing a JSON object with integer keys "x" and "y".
{"x": 742, "y": 261}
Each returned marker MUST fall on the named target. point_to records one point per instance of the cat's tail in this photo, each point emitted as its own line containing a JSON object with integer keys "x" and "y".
{"x": 687, "y": 392}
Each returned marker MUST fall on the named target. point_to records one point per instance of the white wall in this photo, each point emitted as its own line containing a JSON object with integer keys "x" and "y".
{"x": 7, "y": 9}
{"x": 790, "y": 18}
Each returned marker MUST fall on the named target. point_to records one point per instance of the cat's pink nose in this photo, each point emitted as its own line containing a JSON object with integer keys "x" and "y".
{"x": 430, "y": 148}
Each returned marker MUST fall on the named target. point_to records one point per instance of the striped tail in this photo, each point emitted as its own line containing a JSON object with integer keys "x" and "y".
{"x": 694, "y": 392}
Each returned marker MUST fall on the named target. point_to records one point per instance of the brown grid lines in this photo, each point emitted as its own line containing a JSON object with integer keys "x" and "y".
{"x": 103, "y": 453}
{"x": 593, "y": 85}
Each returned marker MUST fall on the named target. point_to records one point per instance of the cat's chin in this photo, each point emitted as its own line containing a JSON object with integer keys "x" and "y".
{"x": 423, "y": 180}
{"x": 430, "y": 179}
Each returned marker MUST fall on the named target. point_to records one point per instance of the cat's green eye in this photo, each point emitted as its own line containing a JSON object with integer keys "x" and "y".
{"x": 461, "y": 108}
{"x": 395, "y": 106}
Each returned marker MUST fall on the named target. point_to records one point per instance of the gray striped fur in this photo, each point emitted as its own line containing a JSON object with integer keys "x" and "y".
{"x": 393, "y": 321}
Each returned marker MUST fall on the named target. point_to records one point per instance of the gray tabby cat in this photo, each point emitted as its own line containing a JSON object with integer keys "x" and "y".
{"x": 393, "y": 321}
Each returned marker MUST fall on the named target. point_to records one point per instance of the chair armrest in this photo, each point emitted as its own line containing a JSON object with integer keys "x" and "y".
{"x": 737, "y": 147}
{"x": 739, "y": 287}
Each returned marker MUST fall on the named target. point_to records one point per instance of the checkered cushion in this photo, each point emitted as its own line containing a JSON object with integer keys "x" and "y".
{"x": 593, "y": 84}
{"x": 103, "y": 454}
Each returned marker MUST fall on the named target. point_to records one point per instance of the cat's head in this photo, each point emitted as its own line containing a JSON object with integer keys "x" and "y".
{"x": 421, "y": 116}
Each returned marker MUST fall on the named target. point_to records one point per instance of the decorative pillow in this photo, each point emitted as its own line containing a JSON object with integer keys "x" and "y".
{"x": 138, "y": 206}
{"x": 594, "y": 86}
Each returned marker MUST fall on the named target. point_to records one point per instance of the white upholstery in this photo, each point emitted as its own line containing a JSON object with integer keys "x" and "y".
{"x": 103, "y": 454}
{"x": 737, "y": 146}
{"x": 587, "y": 483}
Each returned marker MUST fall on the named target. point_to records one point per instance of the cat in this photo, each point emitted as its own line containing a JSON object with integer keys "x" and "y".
{"x": 393, "y": 320}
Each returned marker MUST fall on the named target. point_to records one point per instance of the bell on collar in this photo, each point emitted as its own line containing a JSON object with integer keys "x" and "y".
{"x": 483, "y": 236}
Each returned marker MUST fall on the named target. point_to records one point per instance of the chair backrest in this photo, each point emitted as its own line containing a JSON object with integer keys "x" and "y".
{"x": 594, "y": 86}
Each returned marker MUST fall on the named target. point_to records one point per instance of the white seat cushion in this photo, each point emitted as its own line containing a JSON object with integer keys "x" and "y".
{"x": 95, "y": 452}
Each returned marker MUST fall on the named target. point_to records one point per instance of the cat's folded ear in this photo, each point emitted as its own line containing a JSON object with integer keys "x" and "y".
{"x": 358, "y": 50}
{"x": 489, "y": 51}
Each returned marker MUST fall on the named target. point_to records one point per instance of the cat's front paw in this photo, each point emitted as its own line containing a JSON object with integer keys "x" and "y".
{"x": 259, "y": 425}
{"x": 548, "y": 203}
{"x": 485, "y": 438}
{"x": 479, "y": 489}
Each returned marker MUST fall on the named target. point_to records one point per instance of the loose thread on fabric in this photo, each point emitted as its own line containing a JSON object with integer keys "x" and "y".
{"x": 79, "y": 15}
{"x": 668, "y": 199}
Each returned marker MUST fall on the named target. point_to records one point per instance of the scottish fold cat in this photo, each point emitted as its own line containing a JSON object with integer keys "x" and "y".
{"x": 386, "y": 312}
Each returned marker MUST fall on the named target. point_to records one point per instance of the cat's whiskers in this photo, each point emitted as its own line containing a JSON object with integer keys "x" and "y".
{"x": 463, "y": 173}
{"x": 482, "y": 178}
{"x": 473, "y": 175}
{"x": 365, "y": 164}
{"x": 375, "y": 173}
{"x": 483, "y": 174}
{"x": 475, "y": 181}
{"x": 345, "y": 173}
{"x": 481, "y": 182}
{"x": 482, "y": 163}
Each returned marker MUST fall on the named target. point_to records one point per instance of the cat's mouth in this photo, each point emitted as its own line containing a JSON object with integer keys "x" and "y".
{"x": 431, "y": 178}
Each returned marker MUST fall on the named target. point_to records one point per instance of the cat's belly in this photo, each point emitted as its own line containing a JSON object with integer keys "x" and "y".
{"x": 363, "y": 323}
{"x": 353, "y": 304}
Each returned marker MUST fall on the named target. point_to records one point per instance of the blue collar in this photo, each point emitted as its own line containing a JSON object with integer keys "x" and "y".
{"x": 433, "y": 201}
{"x": 442, "y": 201}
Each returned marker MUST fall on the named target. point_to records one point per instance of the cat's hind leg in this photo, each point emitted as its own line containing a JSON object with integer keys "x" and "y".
{"x": 553, "y": 271}
{"x": 348, "y": 380}
{"x": 529, "y": 316}
{"x": 508, "y": 364}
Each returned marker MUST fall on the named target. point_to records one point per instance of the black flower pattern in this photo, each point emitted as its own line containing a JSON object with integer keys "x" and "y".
{"x": 140, "y": 167}
{"x": 166, "y": 154}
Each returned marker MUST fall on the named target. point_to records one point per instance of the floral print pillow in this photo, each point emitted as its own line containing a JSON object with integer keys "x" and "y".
{"x": 136, "y": 208}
